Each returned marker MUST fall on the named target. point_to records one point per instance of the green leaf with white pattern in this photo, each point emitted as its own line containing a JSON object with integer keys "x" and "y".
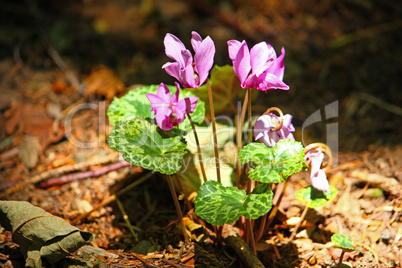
{"x": 258, "y": 202}
{"x": 135, "y": 103}
{"x": 273, "y": 165}
{"x": 344, "y": 243}
{"x": 316, "y": 198}
{"x": 218, "y": 204}
{"x": 142, "y": 145}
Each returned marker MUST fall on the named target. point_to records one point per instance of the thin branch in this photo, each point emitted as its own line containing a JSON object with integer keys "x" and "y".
{"x": 83, "y": 175}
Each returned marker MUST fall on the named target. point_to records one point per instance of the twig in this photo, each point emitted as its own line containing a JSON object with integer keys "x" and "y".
{"x": 63, "y": 67}
{"x": 145, "y": 262}
{"x": 170, "y": 262}
{"x": 126, "y": 218}
{"x": 211, "y": 106}
{"x": 61, "y": 170}
{"x": 292, "y": 236}
{"x": 242, "y": 250}
{"x": 112, "y": 198}
{"x": 204, "y": 175}
{"x": 379, "y": 102}
{"x": 82, "y": 175}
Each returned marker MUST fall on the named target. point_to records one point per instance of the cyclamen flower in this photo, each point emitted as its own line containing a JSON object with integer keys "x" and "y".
{"x": 259, "y": 67}
{"x": 264, "y": 125}
{"x": 169, "y": 112}
{"x": 188, "y": 74}
{"x": 318, "y": 177}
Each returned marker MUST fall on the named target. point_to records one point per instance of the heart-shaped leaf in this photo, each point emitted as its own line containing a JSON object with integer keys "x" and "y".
{"x": 135, "y": 103}
{"x": 276, "y": 164}
{"x": 316, "y": 198}
{"x": 141, "y": 145}
{"x": 218, "y": 204}
{"x": 344, "y": 243}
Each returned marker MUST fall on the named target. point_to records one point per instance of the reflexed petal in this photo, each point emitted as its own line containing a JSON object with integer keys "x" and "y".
{"x": 173, "y": 48}
{"x": 278, "y": 68}
{"x": 319, "y": 180}
{"x": 187, "y": 58}
{"x": 233, "y": 48}
{"x": 251, "y": 82}
{"x": 287, "y": 122}
{"x": 164, "y": 93}
{"x": 162, "y": 118}
{"x": 272, "y": 82}
{"x": 241, "y": 64}
{"x": 180, "y": 116}
{"x": 187, "y": 105}
{"x": 175, "y": 98}
{"x": 195, "y": 40}
{"x": 259, "y": 58}
{"x": 204, "y": 59}
{"x": 187, "y": 77}
{"x": 156, "y": 102}
{"x": 173, "y": 69}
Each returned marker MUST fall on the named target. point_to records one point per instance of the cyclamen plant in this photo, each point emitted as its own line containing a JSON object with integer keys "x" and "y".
{"x": 150, "y": 126}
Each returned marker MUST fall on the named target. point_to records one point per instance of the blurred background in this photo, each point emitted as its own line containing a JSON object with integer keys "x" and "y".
{"x": 345, "y": 50}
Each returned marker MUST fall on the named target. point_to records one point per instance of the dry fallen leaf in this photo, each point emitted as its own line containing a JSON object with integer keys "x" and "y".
{"x": 39, "y": 233}
{"x": 103, "y": 82}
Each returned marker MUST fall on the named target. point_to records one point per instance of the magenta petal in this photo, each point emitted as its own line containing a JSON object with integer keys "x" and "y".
{"x": 162, "y": 118}
{"x": 259, "y": 58}
{"x": 180, "y": 116}
{"x": 287, "y": 122}
{"x": 173, "y": 48}
{"x": 187, "y": 77}
{"x": 233, "y": 48}
{"x": 175, "y": 98}
{"x": 204, "y": 59}
{"x": 156, "y": 102}
{"x": 195, "y": 40}
{"x": 164, "y": 93}
{"x": 241, "y": 64}
{"x": 187, "y": 105}
{"x": 251, "y": 82}
{"x": 173, "y": 69}
{"x": 272, "y": 82}
{"x": 278, "y": 68}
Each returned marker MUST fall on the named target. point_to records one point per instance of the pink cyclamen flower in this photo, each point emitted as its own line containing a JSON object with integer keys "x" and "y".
{"x": 188, "y": 74}
{"x": 318, "y": 177}
{"x": 259, "y": 67}
{"x": 169, "y": 112}
{"x": 264, "y": 125}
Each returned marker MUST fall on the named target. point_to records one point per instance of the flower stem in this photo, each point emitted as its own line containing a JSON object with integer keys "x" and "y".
{"x": 178, "y": 209}
{"x": 298, "y": 224}
{"x": 250, "y": 131}
{"x": 204, "y": 175}
{"x": 211, "y": 106}
{"x": 340, "y": 259}
{"x": 249, "y": 227}
{"x": 264, "y": 223}
{"x": 239, "y": 136}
